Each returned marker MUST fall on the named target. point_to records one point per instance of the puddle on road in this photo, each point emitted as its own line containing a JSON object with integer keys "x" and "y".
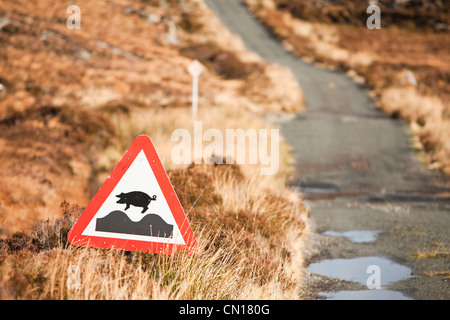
{"x": 357, "y": 236}
{"x": 357, "y": 270}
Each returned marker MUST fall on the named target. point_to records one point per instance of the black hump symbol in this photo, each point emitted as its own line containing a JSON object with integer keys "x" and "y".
{"x": 150, "y": 225}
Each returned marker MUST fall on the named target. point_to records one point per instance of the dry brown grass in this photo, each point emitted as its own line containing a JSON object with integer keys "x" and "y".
{"x": 248, "y": 249}
{"x": 446, "y": 274}
{"x": 45, "y": 159}
{"x": 406, "y": 14}
{"x": 77, "y": 99}
{"x": 440, "y": 251}
{"x": 111, "y": 275}
{"x": 249, "y": 232}
{"x": 64, "y": 86}
{"x": 424, "y": 114}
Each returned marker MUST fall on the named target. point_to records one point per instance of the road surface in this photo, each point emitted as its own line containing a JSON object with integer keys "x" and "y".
{"x": 358, "y": 172}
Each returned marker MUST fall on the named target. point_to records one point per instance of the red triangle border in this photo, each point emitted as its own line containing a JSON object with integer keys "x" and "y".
{"x": 144, "y": 143}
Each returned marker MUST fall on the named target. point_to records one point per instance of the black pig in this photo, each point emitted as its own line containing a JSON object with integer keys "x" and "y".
{"x": 136, "y": 198}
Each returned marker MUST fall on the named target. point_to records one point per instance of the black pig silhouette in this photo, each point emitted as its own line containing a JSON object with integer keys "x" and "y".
{"x": 136, "y": 198}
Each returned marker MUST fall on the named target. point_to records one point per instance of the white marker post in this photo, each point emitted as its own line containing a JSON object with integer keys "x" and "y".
{"x": 195, "y": 69}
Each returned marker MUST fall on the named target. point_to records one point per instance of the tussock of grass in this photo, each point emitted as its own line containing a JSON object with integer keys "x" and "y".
{"x": 246, "y": 251}
{"x": 438, "y": 273}
{"x": 224, "y": 63}
{"x": 440, "y": 251}
{"x": 432, "y": 254}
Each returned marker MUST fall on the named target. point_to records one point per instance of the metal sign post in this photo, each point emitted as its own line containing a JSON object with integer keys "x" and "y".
{"x": 195, "y": 69}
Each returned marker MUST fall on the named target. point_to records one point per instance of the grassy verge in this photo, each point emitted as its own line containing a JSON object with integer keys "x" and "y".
{"x": 249, "y": 247}
{"x": 77, "y": 99}
{"x": 249, "y": 232}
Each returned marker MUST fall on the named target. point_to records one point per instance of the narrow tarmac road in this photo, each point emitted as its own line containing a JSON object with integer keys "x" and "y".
{"x": 372, "y": 202}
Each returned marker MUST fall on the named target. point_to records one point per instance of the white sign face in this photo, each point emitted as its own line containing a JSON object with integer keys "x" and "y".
{"x": 136, "y": 202}
{"x": 195, "y": 68}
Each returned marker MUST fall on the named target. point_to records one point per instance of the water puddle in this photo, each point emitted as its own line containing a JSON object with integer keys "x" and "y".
{"x": 363, "y": 270}
{"x": 357, "y": 236}
{"x": 356, "y": 269}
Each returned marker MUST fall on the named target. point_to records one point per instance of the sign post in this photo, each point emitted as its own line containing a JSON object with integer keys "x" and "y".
{"x": 195, "y": 69}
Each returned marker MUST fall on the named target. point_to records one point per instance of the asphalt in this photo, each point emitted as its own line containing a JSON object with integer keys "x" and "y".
{"x": 357, "y": 171}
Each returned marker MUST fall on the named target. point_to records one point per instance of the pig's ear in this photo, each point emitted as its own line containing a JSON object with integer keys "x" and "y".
{"x": 120, "y": 195}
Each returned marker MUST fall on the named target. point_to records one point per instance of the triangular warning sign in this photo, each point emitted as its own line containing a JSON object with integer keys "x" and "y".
{"x": 136, "y": 208}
